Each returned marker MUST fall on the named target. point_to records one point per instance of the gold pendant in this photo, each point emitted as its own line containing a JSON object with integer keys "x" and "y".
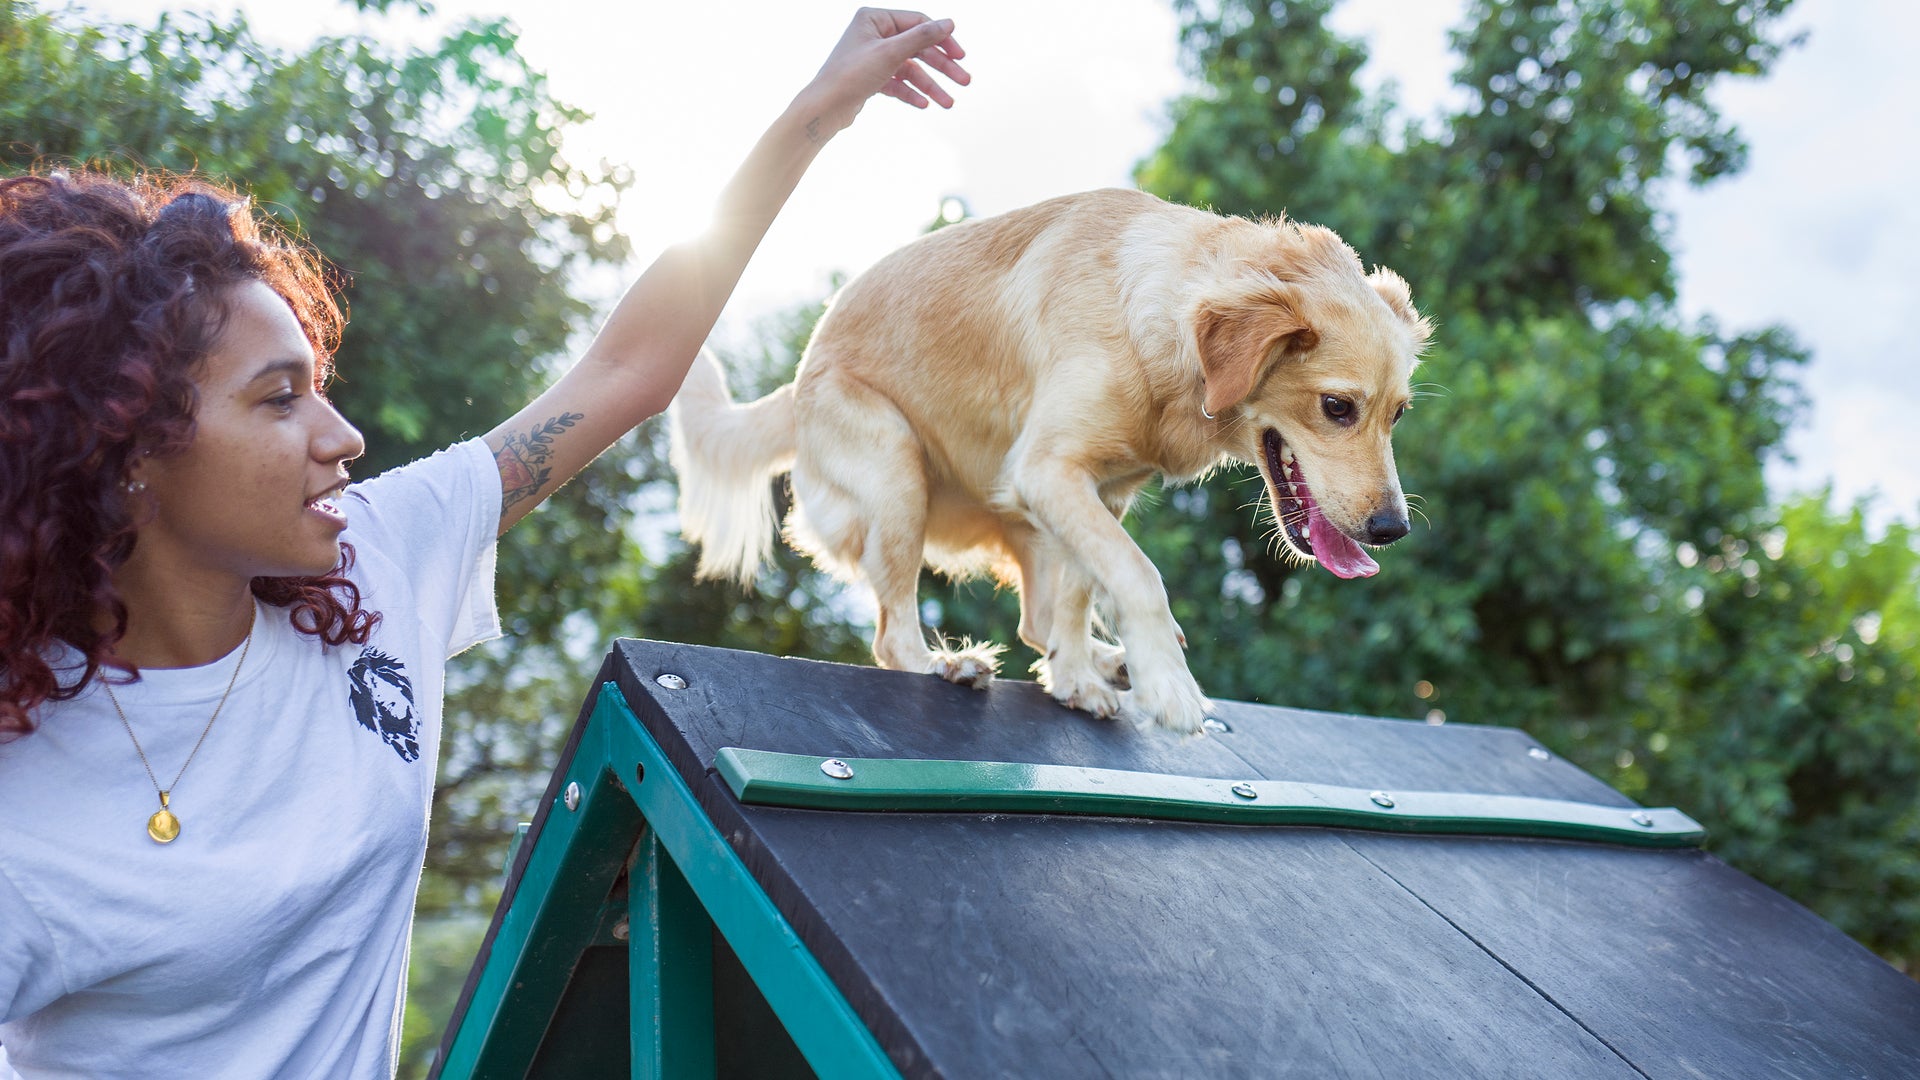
{"x": 163, "y": 826}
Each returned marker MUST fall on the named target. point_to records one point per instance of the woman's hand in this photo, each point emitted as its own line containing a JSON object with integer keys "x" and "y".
{"x": 883, "y": 52}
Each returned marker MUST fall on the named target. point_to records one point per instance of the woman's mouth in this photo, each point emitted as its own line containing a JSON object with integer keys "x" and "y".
{"x": 327, "y": 505}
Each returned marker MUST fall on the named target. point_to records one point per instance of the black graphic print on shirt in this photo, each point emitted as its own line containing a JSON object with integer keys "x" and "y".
{"x": 382, "y": 698}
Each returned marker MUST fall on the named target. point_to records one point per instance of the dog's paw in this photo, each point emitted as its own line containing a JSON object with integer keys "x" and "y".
{"x": 1173, "y": 701}
{"x": 1085, "y": 682}
{"x": 970, "y": 665}
{"x": 1084, "y": 689}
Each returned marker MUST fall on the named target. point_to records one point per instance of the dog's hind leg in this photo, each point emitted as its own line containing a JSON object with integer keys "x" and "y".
{"x": 860, "y": 504}
{"x": 891, "y": 565}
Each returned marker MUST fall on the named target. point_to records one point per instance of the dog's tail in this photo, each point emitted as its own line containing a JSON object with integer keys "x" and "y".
{"x": 727, "y": 455}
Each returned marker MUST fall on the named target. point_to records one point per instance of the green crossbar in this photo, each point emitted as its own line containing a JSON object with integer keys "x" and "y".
{"x": 766, "y": 778}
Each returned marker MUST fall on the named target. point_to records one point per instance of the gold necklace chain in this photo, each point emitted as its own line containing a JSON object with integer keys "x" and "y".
{"x": 163, "y": 826}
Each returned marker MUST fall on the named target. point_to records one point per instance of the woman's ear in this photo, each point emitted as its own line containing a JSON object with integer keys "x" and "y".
{"x": 1238, "y": 338}
{"x": 135, "y": 485}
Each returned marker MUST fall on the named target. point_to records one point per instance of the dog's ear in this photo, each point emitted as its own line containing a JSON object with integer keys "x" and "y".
{"x": 1393, "y": 289}
{"x": 1237, "y": 337}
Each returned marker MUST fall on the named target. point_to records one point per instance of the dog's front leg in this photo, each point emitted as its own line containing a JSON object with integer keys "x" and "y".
{"x": 1064, "y": 500}
{"x": 1056, "y": 619}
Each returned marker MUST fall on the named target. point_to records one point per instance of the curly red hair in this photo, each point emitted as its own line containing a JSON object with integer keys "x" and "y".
{"x": 111, "y": 294}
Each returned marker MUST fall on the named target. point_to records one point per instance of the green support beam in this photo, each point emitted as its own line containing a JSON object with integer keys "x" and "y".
{"x": 626, "y": 842}
{"x": 764, "y": 778}
{"x": 555, "y": 914}
{"x": 670, "y": 957}
{"x": 836, "y": 1044}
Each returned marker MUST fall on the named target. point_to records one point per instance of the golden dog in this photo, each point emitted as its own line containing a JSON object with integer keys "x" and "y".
{"x": 993, "y": 395}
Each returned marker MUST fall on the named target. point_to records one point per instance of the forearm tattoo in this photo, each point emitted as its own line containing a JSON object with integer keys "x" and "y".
{"x": 523, "y": 460}
{"x": 813, "y": 131}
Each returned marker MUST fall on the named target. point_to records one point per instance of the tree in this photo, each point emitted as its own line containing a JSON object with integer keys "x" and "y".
{"x": 1603, "y": 565}
{"x": 417, "y": 173}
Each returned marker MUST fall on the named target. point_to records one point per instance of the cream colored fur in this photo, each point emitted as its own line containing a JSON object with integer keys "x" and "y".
{"x": 992, "y": 396}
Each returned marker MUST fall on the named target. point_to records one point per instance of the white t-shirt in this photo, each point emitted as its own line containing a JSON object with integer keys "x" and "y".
{"x": 270, "y": 938}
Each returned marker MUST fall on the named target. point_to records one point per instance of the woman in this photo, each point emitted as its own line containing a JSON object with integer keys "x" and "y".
{"x": 206, "y": 632}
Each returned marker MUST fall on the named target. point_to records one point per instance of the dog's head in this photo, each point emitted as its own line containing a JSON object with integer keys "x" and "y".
{"x": 1306, "y": 362}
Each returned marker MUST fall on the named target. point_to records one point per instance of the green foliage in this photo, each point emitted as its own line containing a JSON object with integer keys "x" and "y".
{"x": 1603, "y": 566}
{"x": 426, "y": 177}
{"x": 1789, "y": 717}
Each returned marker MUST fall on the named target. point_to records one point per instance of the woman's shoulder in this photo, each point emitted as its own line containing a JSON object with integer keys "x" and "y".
{"x": 456, "y": 485}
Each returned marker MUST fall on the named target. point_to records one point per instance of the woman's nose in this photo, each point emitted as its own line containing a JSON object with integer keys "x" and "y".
{"x": 341, "y": 441}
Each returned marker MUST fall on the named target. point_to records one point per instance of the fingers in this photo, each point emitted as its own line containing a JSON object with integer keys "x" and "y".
{"x": 917, "y": 76}
{"x": 898, "y": 88}
{"x": 896, "y": 53}
{"x": 941, "y": 59}
{"x": 910, "y": 33}
{"x": 918, "y": 35}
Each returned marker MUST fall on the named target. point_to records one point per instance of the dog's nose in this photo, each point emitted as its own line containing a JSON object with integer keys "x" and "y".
{"x": 1386, "y": 528}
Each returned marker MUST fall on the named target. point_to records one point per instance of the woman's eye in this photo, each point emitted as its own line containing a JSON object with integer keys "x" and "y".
{"x": 283, "y": 402}
{"x": 1338, "y": 409}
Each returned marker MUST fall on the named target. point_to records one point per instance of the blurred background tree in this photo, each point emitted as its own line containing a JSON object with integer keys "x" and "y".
{"x": 433, "y": 181}
{"x": 1602, "y": 564}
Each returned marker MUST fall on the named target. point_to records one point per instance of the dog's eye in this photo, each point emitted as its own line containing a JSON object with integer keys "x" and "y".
{"x": 1398, "y": 413}
{"x": 1338, "y": 409}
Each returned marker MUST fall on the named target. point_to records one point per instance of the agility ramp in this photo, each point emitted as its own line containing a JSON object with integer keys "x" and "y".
{"x": 756, "y": 867}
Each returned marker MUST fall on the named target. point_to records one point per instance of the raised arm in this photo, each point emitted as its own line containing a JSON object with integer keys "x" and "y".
{"x": 641, "y": 355}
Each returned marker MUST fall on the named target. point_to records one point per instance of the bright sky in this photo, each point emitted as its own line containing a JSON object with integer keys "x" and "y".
{"x": 1821, "y": 232}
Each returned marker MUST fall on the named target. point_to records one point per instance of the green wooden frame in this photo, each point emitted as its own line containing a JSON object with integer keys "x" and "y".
{"x": 765, "y": 778}
{"x": 635, "y": 815}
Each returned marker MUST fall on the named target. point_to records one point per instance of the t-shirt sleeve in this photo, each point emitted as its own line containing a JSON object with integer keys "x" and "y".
{"x": 435, "y": 521}
{"x": 29, "y": 968}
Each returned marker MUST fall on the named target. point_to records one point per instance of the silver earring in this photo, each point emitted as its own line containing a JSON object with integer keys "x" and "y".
{"x": 136, "y": 487}
{"x": 1205, "y": 413}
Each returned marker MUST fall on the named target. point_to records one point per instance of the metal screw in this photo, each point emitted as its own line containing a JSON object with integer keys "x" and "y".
{"x": 1641, "y": 818}
{"x": 1245, "y": 791}
{"x": 572, "y": 797}
{"x": 837, "y": 769}
{"x": 1381, "y": 798}
{"x": 622, "y": 930}
{"x": 672, "y": 681}
{"x": 1214, "y": 726}
{"x": 1538, "y": 754}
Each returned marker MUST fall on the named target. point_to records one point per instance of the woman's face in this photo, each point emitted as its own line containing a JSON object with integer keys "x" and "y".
{"x": 257, "y": 492}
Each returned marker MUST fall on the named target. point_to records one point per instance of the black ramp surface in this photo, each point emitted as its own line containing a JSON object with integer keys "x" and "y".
{"x": 1055, "y": 946}
{"x": 1371, "y": 753}
{"x": 1684, "y": 965}
{"x": 1066, "y": 947}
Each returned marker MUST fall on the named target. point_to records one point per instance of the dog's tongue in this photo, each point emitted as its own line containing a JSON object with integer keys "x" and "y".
{"x": 1334, "y": 551}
